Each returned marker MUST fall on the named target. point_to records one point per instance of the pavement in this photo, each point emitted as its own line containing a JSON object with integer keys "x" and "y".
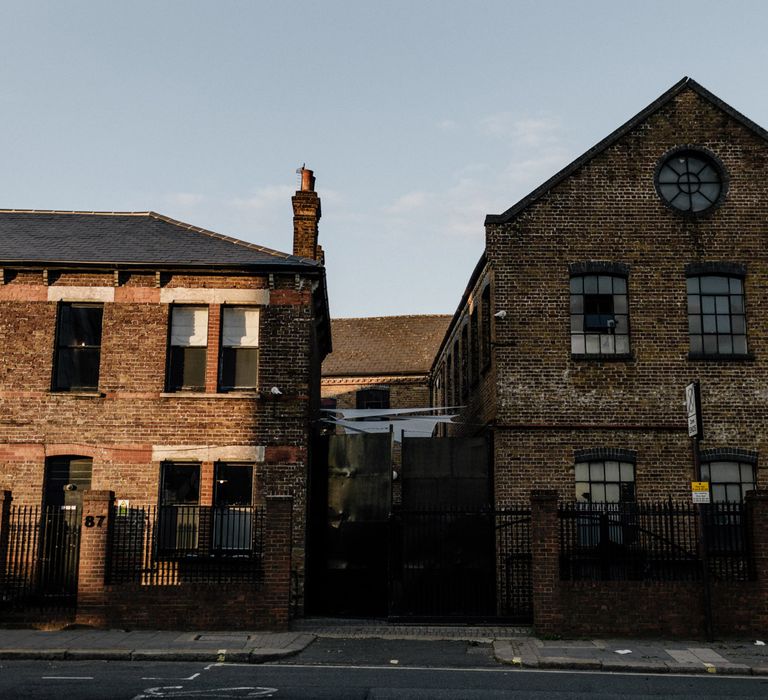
{"x": 514, "y": 646}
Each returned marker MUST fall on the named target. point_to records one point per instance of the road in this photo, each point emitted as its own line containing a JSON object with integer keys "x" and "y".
{"x": 354, "y": 669}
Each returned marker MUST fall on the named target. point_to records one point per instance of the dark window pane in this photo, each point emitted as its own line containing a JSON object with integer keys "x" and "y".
{"x": 710, "y": 344}
{"x": 693, "y": 285}
{"x": 187, "y": 368}
{"x": 697, "y": 344}
{"x": 372, "y": 398}
{"x": 714, "y": 285}
{"x": 239, "y": 368}
{"x": 234, "y": 485}
{"x": 180, "y": 484}
{"x": 78, "y": 349}
{"x": 694, "y": 304}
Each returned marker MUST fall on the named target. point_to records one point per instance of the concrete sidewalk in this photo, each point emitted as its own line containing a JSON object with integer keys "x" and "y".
{"x": 636, "y": 655}
{"x": 511, "y": 645}
{"x": 119, "y": 645}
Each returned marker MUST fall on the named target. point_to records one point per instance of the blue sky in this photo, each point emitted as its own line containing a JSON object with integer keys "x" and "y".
{"x": 418, "y": 117}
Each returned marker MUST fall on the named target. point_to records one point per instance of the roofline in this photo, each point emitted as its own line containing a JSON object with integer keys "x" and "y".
{"x": 299, "y": 261}
{"x": 375, "y": 318}
{"x": 614, "y": 136}
{"x": 481, "y": 265}
{"x": 384, "y": 373}
{"x": 287, "y": 267}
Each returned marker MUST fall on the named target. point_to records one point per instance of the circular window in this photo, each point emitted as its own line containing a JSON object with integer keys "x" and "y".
{"x": 690, "y": 181}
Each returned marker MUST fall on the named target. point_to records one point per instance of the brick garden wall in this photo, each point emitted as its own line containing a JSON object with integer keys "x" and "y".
{"x": 643, "y": 608}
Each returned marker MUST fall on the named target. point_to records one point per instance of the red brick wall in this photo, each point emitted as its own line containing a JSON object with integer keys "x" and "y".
{"x": 650, "y": 608}
{"x": 119, "y": 426}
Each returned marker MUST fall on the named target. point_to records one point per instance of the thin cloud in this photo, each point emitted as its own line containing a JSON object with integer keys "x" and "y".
{"x": 522, "y": 131}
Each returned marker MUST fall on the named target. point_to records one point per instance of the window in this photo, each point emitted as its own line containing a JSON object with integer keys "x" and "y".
{"x": 690, "y": 181}
{"x": 78, "y": 347}
{"x": 485, "y": 314}
{"x": 372, "y": 398}
{"x": 456, "y": 374}
{"x": 232, "y": 514}
{"x": 599, "y": 315}
{"x": 716, "y": 316}
{"x": 604, "y": 488}
{"x": 474, "y": 359}
{"x": 609, "y": 481}
{"x": 464, "y": 362}
{"x": 188, "y": 346}
{"x": 179, "y": 516}
{"x": 448, "y": 383}
{"x": 239, "y": 364}
{"x": 728, "y": 481}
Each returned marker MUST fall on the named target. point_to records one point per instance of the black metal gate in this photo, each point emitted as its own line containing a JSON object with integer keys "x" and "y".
{"x": 39, "y": 557}
{"x": 460, "y": 565}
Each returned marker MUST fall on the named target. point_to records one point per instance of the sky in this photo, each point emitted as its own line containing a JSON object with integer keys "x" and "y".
{"x": 417, "y": 117}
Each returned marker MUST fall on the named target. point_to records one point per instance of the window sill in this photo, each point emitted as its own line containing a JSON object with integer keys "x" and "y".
{"x": 584, "y": 357}
{"x": 701, "y": 357}
{"x": 210, "y": 395}
{"x": 79, "y": 393}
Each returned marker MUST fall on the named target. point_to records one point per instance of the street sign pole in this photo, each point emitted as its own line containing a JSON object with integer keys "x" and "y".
{"x": 695, "y": 432}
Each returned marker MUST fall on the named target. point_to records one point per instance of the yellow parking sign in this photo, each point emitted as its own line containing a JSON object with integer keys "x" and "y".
{"x": 699, "y": 486}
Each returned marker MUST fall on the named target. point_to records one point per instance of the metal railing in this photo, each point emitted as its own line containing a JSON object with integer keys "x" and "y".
{"x": 173, "y": 545}
{"x": 40, "y": 557}
{"x": 451, "y": 564}
{"x": 653, "y": 541}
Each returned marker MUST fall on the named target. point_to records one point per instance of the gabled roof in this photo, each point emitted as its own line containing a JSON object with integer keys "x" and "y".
{"x": 685, "y": 84}
{"x": 384, "y": 345}
{"x": 127, "y": 238}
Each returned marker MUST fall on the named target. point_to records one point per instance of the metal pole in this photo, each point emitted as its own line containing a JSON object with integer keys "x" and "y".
{"x": 703, "y": 512}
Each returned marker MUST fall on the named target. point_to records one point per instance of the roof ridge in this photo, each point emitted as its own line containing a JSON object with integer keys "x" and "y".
{"x": 74, "y": 211}
{"x": 618, "y": 133}
{"x": 228, "y": 239}
{"x": 369, "y": 318}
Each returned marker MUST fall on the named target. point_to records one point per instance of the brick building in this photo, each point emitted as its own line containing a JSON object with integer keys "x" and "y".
{"x": 635, "y": 270}
{"x": 165, "y": 363}
{"x": 381, "y": 362}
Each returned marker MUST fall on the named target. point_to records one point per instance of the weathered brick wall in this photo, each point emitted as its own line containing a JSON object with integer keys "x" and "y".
{"x": 548, "y": 404}
{"x": 131, "y": 415}
{"x": 404, "y": 392}
{"x": 644, "y": 608}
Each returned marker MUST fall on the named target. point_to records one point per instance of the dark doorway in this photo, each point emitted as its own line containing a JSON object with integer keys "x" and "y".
{"x": 349, "y": 512}
{"x": 66, "y": 478}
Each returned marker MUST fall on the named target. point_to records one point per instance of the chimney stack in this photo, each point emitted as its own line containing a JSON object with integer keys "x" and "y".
{"x": 306, "y": 215}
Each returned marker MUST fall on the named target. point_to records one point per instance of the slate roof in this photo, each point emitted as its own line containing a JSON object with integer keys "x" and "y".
{"x": 129, "y": 238}
{"x": 684, "y": 84}
{"x": 384, "y": 345}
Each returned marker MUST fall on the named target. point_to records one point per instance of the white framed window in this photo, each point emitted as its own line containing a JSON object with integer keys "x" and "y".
{"x": 239, "y": 356}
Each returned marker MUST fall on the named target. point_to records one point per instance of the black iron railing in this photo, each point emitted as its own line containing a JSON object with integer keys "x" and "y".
{"x": 40, "y": 556}
{"x": 172, "y": 545}
{"x": 653, "y": 541}
{"x": 458, "y": 563}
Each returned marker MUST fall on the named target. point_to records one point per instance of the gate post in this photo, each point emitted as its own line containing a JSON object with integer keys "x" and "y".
{"x": 5, "y": 529}
{"x": 757, "y": 519}
{"x": 278, "y": 536}
{"x": 95, "y": 527}
{"x": 545, "y": 562}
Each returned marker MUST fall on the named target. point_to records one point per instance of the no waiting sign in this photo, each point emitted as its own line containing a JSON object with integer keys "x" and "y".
{"x": 693, "y": 409}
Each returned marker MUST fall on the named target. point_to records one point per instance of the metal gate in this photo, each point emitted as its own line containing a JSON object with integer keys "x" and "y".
{"x": 39, "y": 557}
{"x": 461, "y": 565}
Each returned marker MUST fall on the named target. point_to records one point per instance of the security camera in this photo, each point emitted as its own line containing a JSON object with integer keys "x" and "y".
{"x": 611, "y": 324}
{"x": 70, "y": 487}
{"x": 275, "y": 391}
{"x": 500, "y": 314}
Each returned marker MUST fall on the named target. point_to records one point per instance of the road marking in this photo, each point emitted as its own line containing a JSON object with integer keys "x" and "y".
{"x": 156, "y": 678}
{"x": 67, "y": 678}
{"x": 177, "y": 691}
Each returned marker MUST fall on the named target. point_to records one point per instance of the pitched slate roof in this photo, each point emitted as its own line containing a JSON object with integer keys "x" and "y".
{"x": 384, "y": 345}
{"x": 608, "y": 141}
{"x": 131, "y": 238}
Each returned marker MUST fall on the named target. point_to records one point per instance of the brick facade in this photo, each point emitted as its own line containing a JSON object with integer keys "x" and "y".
{"x": 133, "y": 422}
{"x": 544, "y": 403}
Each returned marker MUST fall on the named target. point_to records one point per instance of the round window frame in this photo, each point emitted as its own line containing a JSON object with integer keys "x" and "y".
{"x": 707, "y": 155}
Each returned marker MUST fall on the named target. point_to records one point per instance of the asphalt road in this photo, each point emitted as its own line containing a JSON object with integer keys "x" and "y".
{"x": 145, "y": 681}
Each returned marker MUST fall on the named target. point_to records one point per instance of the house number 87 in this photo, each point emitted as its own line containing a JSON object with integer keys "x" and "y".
{"x": 94, "y": 521}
